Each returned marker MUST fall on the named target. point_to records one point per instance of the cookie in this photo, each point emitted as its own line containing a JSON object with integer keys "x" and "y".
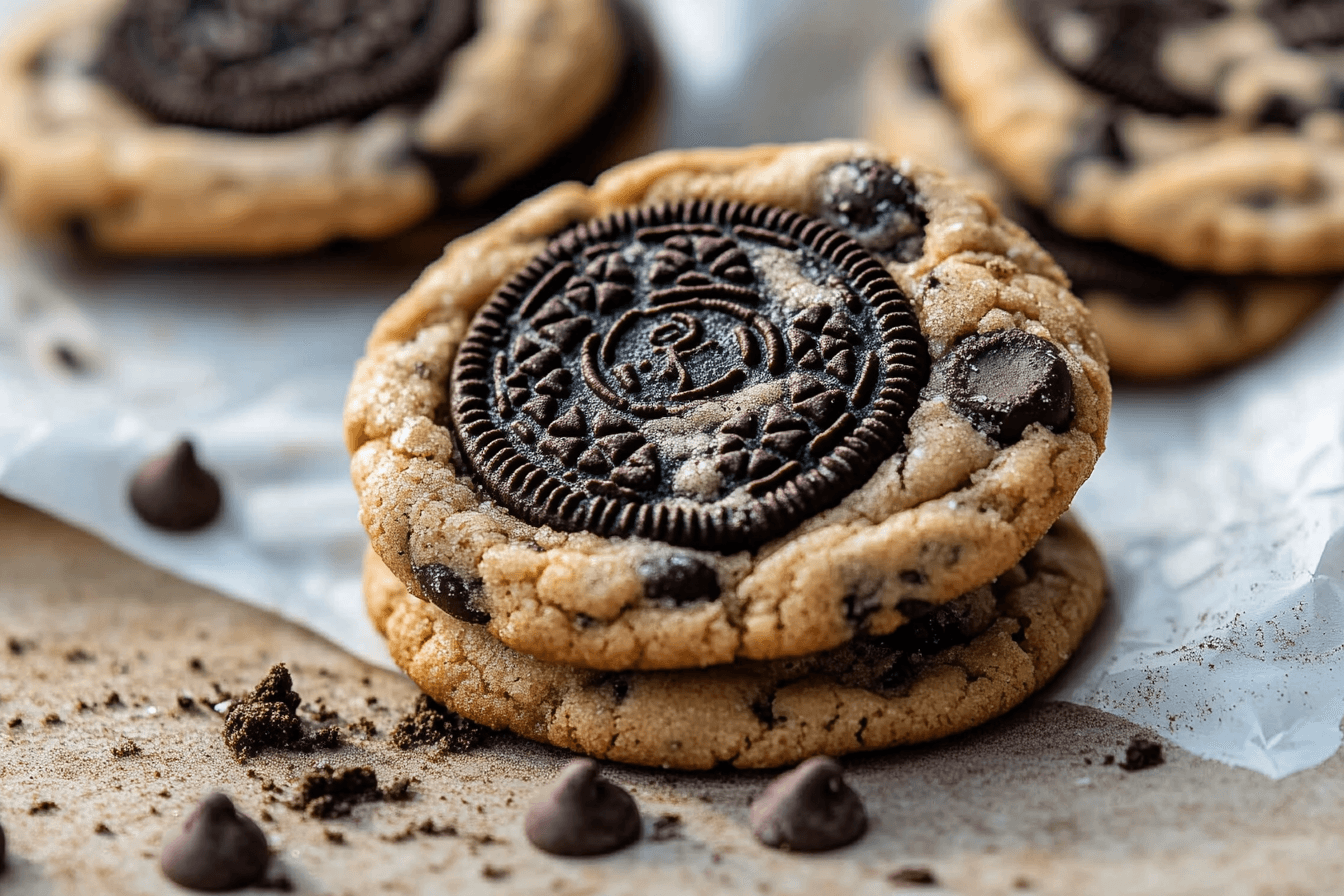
{"x": 723, "y": 404}
{"x": 152, "y": 126}
{"x": 955, "y": 667}
{"x": 1157, "y": 321}
{"x": 1206, "y": 132}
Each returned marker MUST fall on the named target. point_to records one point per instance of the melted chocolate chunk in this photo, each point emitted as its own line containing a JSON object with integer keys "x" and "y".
{"x": 582, "y": 814}
{"x": 174, "y": 492}
{"x": 810, "y": 809}
{"x": 1006, "y": 380}
{"x": 875, "y": 204}
{"x": 645, "y": 377}
{"x": 448, "y": 590}
{"x": 280, "y": 65}
{"x": 218, "y": 848}
{"x": 678, "y": 580}
{"x": 1113, "y": 45}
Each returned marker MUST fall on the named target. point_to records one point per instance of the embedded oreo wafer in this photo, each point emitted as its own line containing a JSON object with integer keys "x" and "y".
{"x": 699, "y": 423}
{"x": 584, "y": 393}
{"x": 276, "y": 66}
{"x": 1205, "y": 132}
{"x": 954, "y": 667}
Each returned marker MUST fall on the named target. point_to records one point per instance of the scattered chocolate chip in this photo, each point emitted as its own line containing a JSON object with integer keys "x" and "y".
{"x": 565, "y": 435}
{"x": 126, "y": 748}
{"x": 266, "y": 717}
{"x": 809, "y": 809}
{"x": 919, "y": 877}
{"x": 1142, "y": 753}
{"x": 330, "y": 793}
{"x": 877, "y": 205}
{"x": 279, "y": 66}
{"x": 218, "y": 848}
{"x": 1005, "y": 380}
{"x": 582, "y": 814}
{"x": 678, "y": 580}
{"x": 430, "y": 724}
{"x": 451, "y": 592}
{"x": 173, "y": 492}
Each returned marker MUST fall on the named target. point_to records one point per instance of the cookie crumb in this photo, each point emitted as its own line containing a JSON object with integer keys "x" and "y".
{"x": 333, "y": 836}
{"x": 666, "y": 827}
{"x": 126, "y": 748}
{"x": 42, "y": 807}
{"x": 399, "y": 791}
{"x": 113, "y": 699}
{"x": 16, "y": 722}
{"x": 267, "y": 717}
{"x": 52, "y": 719}
{"x": 18, "y": 647}
{"x": 78, "y": 655}
{"x": 912, "y": 876}
{"x": 331, "y": 793}
{"x": 1141, "y": 754}
{"x": 430, "y": 723}
{"x": 494, "y": 872}
{"x": 195, "y": 664}
{"x": 363, "y": 726}
{"x": 102, "y": 828}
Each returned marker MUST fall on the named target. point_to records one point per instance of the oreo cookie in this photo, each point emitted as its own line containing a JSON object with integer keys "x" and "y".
{"x": 705, "y": 374}
{"x": 256, "y": 67}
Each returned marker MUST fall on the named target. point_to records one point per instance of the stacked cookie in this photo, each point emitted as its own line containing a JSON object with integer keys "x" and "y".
{"x": 162, "y": 127}
{"x": 737, "y": 456}
{"x": 1180, "y": 160}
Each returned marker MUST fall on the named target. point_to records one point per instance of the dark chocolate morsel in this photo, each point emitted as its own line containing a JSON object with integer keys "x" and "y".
{"x": 582, "y": 814}
{"x": 1113, "y": 45}
{"x": 173, "y": 492}
{"x": 877, "y": 205}
{"x": 590, "y": 392}
{"x": 282, "y": 64}
{"x": 448, "y": 590}
{"x": 678, "y": 579}
{"x": 218, "y": 848}
{"x": 1006, "y": 380}
{"x": 809, "y": 809}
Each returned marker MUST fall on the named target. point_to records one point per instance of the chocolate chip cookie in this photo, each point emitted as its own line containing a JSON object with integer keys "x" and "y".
{"x": 724, "y": 404}
{"x": 1157, "y": 321}
{"x": 950, "y": 668}
{"x": 154, "y": 126}
{"x": 1209, "y": 133}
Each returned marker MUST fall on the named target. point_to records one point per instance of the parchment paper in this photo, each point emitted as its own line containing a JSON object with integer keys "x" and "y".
{"x": 1220, "y": 505}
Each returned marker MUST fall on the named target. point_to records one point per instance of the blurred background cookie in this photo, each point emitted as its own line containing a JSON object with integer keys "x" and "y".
{"x": 149, "y": 126}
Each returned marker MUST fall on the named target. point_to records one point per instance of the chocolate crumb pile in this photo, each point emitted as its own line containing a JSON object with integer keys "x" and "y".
{"x": 429, "y": 723}
{"x": 1141, "y": 754}
{"x": 267, "y": 717}
{"x": 326, "y": 792}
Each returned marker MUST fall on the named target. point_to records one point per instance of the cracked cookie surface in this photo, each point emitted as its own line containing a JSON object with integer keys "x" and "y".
{"x": 525, "y": 82}
{"x": 1002, "y": 432}
{"x": 1157, "y": 321}
{"x": 954, "y": 667}
{"x": 1209, "y": 133}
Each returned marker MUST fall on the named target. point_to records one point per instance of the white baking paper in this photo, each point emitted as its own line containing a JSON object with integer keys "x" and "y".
{"x": 1220, "y": 505}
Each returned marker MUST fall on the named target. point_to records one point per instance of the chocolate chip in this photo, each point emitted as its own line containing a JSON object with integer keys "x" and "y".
{"x": 877, "y": 206}
{"x": 173, "y": 492}
{"x": 1142, "y": 753}
{"x": 277, "y": 66}
{"x": 1006, "y": 380}
{"x": 809, "y": 809}
{"x": 218, "y": 848}
{"x": 582, "y": 814}
{"x": 678, "y": 580}
{"x": 563, "y": 390}
{"x": 451, "y": 592}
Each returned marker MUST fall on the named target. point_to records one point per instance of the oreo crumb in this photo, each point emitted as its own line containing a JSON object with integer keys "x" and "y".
{"x": 102, "y": 828}
{"x": 363, "y": 726}
{"x": 918, "y": 877}
{"x": 186, "y": 702}
{"x": 430, "y": 723}
{"x": 112, "y": 699}
{"x": 17, "y": 647}
{"x": 78, "y": 655}
{"x": 126, "y": 748}
{"x": 16, "y": 722}
{"x": 429, "y": 827}
{"x": 399, "y": 791}
{"x": 51, "y": 719}
{"x": 332, "y": 793}
{"x": 266, "y": 717}
{"x": 1141, "y": 754}
{"x": 333, "y": 836}
{"x": 493, "y": 872}
{"x": 666, "y": 827}
{"x": 42, "y": 807}
{"x": 195, "y": 664}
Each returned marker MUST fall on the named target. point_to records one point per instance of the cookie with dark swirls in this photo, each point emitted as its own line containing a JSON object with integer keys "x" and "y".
{"x": 1158, "y": 321}
{"x": 1209, "y": 133}
{"x": 160, "y": 127}
{"x": 724, "y": 404}
{"x": 950, "y": 668}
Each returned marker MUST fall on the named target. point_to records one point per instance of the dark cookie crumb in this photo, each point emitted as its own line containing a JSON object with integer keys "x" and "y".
{"x": 429, "y": 827}
{"x": 429, "y": 723}
{"x": 78, "y": 655}
{"x": 362, "y": 726}
{"x": 126, "y": 748}
{"x": 186, "y": 702}
{"x": 1142, "y": 753}
{"x": 41, "y": 807}
{"x": 333, "y": 836}
{"x": 18, "y": 647}
{"x": 399, "y": 791}
{"x": 112, "y": 699}
{"x": 331, "y": 793}
{"x": 195, "y": 664}
{"x": 494, "y": 872}
{"x": 52, "y": 719}
{"x": 102, "y": 828}
{"x": 919, "y": 877}
{"x": 266, "y": 717}
{"x": 666, "y": 827}
{"x": 16, "y": 722}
